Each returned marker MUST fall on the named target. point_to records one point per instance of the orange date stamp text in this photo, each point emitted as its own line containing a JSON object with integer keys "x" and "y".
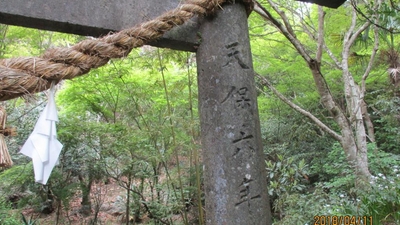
{"x": 345, "y": 220}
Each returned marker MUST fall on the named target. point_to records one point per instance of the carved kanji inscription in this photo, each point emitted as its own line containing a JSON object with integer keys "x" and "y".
{"x": 234, "y": 55}
{"x": 240, "y": 97}
{"x": 244, "y": 191}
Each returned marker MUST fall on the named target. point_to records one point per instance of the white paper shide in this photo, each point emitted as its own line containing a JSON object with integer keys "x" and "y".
{"x": 42, "y": 145}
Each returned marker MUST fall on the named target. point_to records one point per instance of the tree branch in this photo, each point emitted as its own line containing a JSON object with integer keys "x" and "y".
{"x": 297, "y": 108}
{"x": 321, "y": 15}
{"x": 373, "y": 54}
{"x": 352, "y": 34}
{"x": 264, "y": 13}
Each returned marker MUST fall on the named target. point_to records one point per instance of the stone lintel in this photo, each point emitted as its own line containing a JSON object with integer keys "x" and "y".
{"x": 97, "y": 18}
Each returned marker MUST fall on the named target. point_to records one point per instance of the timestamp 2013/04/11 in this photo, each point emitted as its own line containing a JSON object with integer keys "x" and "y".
{"x": 343, "y": 220}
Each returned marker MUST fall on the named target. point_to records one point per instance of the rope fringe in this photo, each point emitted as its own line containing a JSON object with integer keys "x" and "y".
{"x": 5, "y": 158}
{"x": 27, "y": 75}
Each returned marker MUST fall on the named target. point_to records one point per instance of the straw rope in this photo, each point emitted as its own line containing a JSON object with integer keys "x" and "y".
{"x": 5, "y": 158}
{"x": 26, "y": 75}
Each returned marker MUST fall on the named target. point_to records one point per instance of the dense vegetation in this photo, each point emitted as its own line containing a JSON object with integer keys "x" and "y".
{"x": 134, "y": 122}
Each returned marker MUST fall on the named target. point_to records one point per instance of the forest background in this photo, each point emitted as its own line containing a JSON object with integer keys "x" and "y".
{"x": 329, "y": 103}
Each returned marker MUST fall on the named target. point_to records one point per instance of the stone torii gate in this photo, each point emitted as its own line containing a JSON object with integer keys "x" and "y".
{"x": 234, "y": 176}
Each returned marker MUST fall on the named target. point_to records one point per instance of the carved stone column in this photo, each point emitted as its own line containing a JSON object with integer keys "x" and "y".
{"x": 235, "y": 177}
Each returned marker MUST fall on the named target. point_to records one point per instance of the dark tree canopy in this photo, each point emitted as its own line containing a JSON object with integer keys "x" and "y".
{"x": 328, "y": 3}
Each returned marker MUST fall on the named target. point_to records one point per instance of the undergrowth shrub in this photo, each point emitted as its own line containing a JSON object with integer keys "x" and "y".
{"x": 7, "y": 216}
{"x": 286, "y": 176}
{"x": 382, "y": 200}
{"x": 339, "y": 195}
{"x": 301, "y": 209}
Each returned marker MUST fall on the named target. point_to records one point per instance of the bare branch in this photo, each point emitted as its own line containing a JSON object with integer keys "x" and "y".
{"x": 307, "y": 29}
{"x": 297, "y": 108}
{"x": 373, "y": 54}
{"x": 333, "y": 57}
{"x": 321, "y": 15}
{"x": 263, "y": 12}
{"x": 352, "y": 34}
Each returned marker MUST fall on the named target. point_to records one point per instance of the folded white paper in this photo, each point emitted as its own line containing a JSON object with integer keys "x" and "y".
{"x": 42, "y": 145}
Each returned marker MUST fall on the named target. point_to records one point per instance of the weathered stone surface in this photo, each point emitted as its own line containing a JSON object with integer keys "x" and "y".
{"x": 96, "y": 17}
{"x": 234, "y": 176}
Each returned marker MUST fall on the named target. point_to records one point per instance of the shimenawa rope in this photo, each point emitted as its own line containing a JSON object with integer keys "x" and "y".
{"x": 5, "y": 158}
{"x": 26, "y": 75}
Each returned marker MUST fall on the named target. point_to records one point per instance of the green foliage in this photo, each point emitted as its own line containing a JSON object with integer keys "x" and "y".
{"x": 340, "y": 174}
{"x": 338, "y": 195}
{"x": 286, "y": 176}
{"x": 7, "y": 216}
{"x": 335, "y": 167}
{"x": 114, "y": 123}
{"x": 20, "y": 41}
{"x": 382, "y": 200}
{"x": 124, "y": 131}
{"x": 381, "y": 162}
{"x": 302, "y": 208}
{"x": 29, "y": 221}
{"x": 22, "y": 116}
{"x": 387, "y": 122}
{"x": 62, "y": 187}
{"x": 16, "y": 179}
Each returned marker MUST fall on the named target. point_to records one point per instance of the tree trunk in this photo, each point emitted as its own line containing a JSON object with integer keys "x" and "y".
{"x": 128, "y": 198}
{"x": 368, "y": 122}
{"x": 353, "y": 135}
{"x": 348, "y": 141}
{"x": 355, "y": 103}
{"x": 86, "y": 203}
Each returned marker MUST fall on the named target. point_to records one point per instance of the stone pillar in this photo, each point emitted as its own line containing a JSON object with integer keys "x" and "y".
{"x": 234, "y": 175}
